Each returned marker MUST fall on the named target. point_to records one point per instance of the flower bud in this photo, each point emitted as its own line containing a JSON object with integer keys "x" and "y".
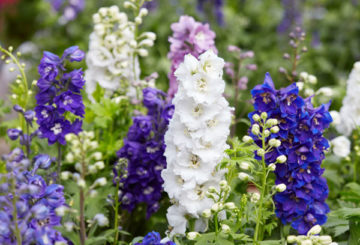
{"x": 255, "y": 129}
{"x": 244, "y": 165}
{"x": 223, "y": 184}
{"x": 81, "y": 183}
{"x": 304, "y": 75}
{"x": 143, "y": 52}
{"x": 60, "y": 211}
{"x": 97, "y": 155}
{"x": 261, "y": 152}
{"x": 325, "y": 240}
{"x": 243, "y": 176}
{"x": 312, "y": 79}
{"x": 211, "y": 189}
{"x": 192, "y": 235}
{"x": 101, "y": 220}
{"x": 225, "y": 228}
{"x": 256, "y": 117}
{"x": 230, "y": 205}
{"x": 275, "y": 129}
{"x": 100, "y": 165}
{"x": 280, "y": 187}
{"x": 216, "y": 207}
{"x": 272, "y": 142}
{"x": 272, "y": 167}
{"x": 291, "y": 239}
{"x": 306, "y": 242}
{"x": 69, "y": 157}
{"x": 272, "y": 122}
{"x": 100, "y": 182}
{"x": 315, "y": 230}
{"x": 247, "y": 139}
{"x": 266, "y": 133}
{"x": 281, "y": 159}
{"x": 206, "y": 213}
{"x": 69, "y": 226}
{"x": 264, "y": 115}
{"x": 65, "y": 175}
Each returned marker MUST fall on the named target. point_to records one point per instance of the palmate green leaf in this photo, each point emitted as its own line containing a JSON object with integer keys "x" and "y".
{"x": 351, "y": 193}
{"x": 338, "y": 225}
{"x": 348, "y": 213}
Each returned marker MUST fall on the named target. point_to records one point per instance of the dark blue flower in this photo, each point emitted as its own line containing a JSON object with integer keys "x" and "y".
{"x": 73, "y": 54}
{"x": 68, "y": 101}
{"x": 14, "y": 133}
{"x": 49, "y": 66}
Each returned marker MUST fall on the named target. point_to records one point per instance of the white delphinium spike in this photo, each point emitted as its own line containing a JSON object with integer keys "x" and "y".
{"x": 196, "y": 139}
{"x": 350, "y": 110}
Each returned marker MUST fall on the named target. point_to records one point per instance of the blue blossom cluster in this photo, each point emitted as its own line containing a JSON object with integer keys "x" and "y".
{"x": 292, "y": 15}
{"x": 59, "y": 94}
{"x": 33, "y": 200}
{"x": 144, "y": 150}
{"x": 301, "y": 133}
{"x": 153, "y": 238}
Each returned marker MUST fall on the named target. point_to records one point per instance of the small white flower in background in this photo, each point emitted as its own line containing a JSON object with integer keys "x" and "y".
{"x": 272, "y": 167}
{"x": 100, "y": 182}
{"x": 192, "y": 235}
{"x": 341, "y": 146}
{"x": 101, "y": 220}
{"x": 350, "y": 110}
{"x": 65, "y": 175}
{"x": 336, "y": 117}
{"x": 81, "y": 183}
{"x": 243, "y": 176}
{"x": 69, "y": 226}
{"x": 281, "y": 159}
{"x": 254, "y": 197}
{"x": 100, "y": 165}
{"x": 244, "y": 165}
{"x": 280, "y": 187}
{"x": 225, "y": 228}
{"x": 60, "y": 211}
{"x": 326, "y": 91}
{"x": 196, "y": 140}
{"x": 315, "y": 230}
{"x": 312, "y": 238}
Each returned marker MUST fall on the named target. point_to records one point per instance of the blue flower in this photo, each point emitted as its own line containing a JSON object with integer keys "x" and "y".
{"x": 153, "y": 238}
{"x": 301, "y": 125}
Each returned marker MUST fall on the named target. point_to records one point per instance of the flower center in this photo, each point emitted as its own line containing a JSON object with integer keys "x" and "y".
{"x": 195, "y": 161}
{"x": 56, "y": 129}
{"x": 198, "y": 110}
{"x": 44, "y": 114}
{"x": 68, "y": 100}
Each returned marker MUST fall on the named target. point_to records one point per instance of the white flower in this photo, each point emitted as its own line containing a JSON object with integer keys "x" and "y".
{"x": 350, "y": 110}
{"x": 280, "y": 187}
{"x": 243, "y": 176}
{"x": 101, "y": 220}
{"x": 196, "y": 140}
{"x": 336, "y": 117}
{"x": 100, "y": 181}
{"x": 60, "y": 211}
{"x": 244, "y": 165}
{"x": 192, "y": 235}
{"x": 100, "y": 165}
{"x": 326, "y": 91}
{"x": 341, "y": 146}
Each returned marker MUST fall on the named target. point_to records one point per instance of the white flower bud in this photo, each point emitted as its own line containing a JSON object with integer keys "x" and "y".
{"x": 69, "y": 157}
{"x": 300, "y": 85}
{"x": 272, "y": 122}
{"x": 96, "y": 18}
{"x": 223, "y": 184}
{"x": 306, "y": 242}
{"x": 325, "y": 240}
{"x": 281, "y": 159}
{"x": 304, "y": 75}
{"x": 244, "y": 165}
{"x": 143, "y": 12}
{"x": 272, "y": 167}
{"x": 206, "y": 213}
{"x": 60, "y": 211}
{"x": 315, "y": 230}
{"x": 14, "y": 96}
{"x": 93, "y": 193}
{"x": 247, "y": 139}
{"x": 192, "y": 235}
{"x": 100, "y": 165}
{"x": 78, "y": 167}
{"x": 94, "y": 145}
{"x": 243, "y": 176}
{"x": 312, "y": 79}
{"x": 101, "y": 220}
{"x": 146, "y": 43}
{"x": 280, "y": 187}
{"x": 275, "y": 129}
{"x": 101, "y": 181}
{"x": 69, "y": 226}
{"x": 103, "y": 11}
{"x": 211, "y": 189}
{"x": 255, "y": 197}
{"x": 150, "y": 35}
{"x": 216, "y": 207}
{"x": 255, "y": 129}
{"x": 273, "y": 142}
{"x": 138, "y": 20}
{"x": 97, "y": 155}
{"x": 143, "y": 52}
{"x": 261, "y": 152}
{"x": 65, "y": 175}
{"x": 230, "y": 205}
{"x": 291, "y": 239}
{"x": 264, "y": 115}
{"x": 225, "y": 228}
{"x": 327, "y": 91}
{"x": 266, "y": 133}
{"x": 34, "y": 82}
{"x": 81, "y": 183}
{"x": 256, "y": 117}
{"x": 334, "y": 243}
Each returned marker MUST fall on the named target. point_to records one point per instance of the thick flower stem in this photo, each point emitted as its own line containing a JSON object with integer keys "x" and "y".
{"x": 82, "y": 198}
{"x": 216, "y": 223}
{"x": 262, "y": 194}
{"x": 116, "y": 223}
{"x": 27, "y": 141}
{"x": 14, "y": 199}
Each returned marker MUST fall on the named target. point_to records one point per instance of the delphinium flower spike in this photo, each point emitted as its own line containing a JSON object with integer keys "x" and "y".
{"x": 215, "y": 5}
{"x": 144, "y": 150}
{"x": 196, "y": 139}
{"x": 69, "y": 9}
{"x": 300, "y": 130}
{"x": 189, "y": 37}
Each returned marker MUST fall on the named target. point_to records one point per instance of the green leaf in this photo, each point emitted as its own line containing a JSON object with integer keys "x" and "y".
{"x": 271, "y": 242}
{"x": 354, "y": 238}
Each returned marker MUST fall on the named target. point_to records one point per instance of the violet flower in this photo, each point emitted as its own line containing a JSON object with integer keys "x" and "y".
{"x": 144, "y": 149}
{"x": 59, "y": 93}
{"x": 301, "y": 125}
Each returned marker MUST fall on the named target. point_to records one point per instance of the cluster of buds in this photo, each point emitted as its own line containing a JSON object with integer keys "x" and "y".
{"x": 312, "y": 238}
{"x": 234, "y": 70}
{"x": 86, "y": 159}
{"x": 297, "y": 38}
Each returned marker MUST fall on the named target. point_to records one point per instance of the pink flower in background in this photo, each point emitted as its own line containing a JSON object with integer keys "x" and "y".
{"x": 189, "y": 37}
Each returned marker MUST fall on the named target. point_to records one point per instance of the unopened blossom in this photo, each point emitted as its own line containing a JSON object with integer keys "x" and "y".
{"x": 196, "y": 139}
{"x": 302, "y": 149}
{"x": 341, "y": 146}
{"x": 189, "y": 37}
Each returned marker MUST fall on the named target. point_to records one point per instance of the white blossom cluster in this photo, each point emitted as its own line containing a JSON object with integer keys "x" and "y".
{"x": 312, "y": 238}
{"x": 112, "y": 58}
{"x": 196, "y": 139}
{"x": 350, "y": 110}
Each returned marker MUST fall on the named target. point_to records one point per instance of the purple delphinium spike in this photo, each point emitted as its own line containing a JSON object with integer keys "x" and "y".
{"x": 36, "y": 202}
{"x": 292, "y": 15}
{"x": 59, "y": 92}
{"x": 301, "y": 125}
{"x": 144, "y": 148}
{"x": 189, "y": 37}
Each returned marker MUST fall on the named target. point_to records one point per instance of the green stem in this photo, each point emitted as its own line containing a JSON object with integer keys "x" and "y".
{"x": 28, "y": 141}
{"x": 116, "y": 223}
{"x": 262, "y": 194}
{"x": 17, "y": 230}
{"x": 58, "y": 162}
{"x": 216, "y": 223}
{"x": 355, "y": 171}
{"x": 82, "y": 198}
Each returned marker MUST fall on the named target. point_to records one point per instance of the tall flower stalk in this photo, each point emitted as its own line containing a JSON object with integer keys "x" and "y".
{"x": 196, "y": 140}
